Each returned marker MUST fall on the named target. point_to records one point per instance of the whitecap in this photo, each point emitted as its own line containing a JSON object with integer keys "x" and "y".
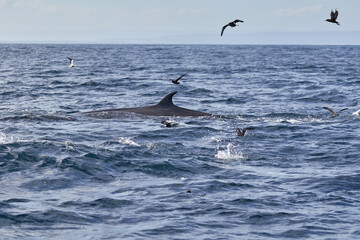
{"x": 68, "y": 146}
{"x": 230, "y": 153}
{"x": 287, "y": 120}
{"x": 2, "y": 138}
{"x": 304, "y": 120}
{"x": 128, "y": 141}
{"x": 152, "y": 145}
{"x": 215, "y": 139}
{"x": 5, "y": 139}
{"x": 356, "y": 113}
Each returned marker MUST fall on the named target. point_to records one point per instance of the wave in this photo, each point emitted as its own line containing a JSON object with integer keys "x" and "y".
{"x": 40, "y": 117}
{"x": 291, "y": 118}
{"x": 128, "y": 141}
{"x": 9, "y": 139}
{"x": 294, "y": 120}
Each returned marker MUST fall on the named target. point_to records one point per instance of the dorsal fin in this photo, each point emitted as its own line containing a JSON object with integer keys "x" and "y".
{"x": 167, "y": 100}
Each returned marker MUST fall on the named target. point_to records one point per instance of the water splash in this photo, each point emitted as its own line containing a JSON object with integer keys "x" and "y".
{"x": 356, "y": 113}
{"x": 230, "y": 153}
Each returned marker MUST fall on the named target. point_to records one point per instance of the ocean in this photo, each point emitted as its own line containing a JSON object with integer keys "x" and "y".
{"x": 66, "y": 175}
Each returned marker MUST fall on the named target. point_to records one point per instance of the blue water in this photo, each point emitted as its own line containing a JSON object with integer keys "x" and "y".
{"x": 65, "y": 175}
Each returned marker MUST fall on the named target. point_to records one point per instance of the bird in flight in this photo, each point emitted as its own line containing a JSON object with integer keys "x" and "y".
{"x": 334, "y": 114}
{"x": 231, "y": 24}
{"x": 71, "y": 63}
{"x": 176, "y": 81}
{"x": 333, "y": 17}
{"x": 241, "y": 133}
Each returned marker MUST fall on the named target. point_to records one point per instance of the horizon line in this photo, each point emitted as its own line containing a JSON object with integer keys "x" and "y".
{"x": 132, "y": 43}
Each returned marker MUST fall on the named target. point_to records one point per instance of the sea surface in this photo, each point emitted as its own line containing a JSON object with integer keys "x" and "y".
{"x": 66, "y": 175}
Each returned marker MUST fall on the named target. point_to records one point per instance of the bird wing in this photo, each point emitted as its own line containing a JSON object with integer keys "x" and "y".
{"x": 222, "y": 30}
{"x": 343, "y": 109}
{"x": 238, "y": 20}
{"x": 332, "y": 15}
{"x": 71, "y": 61}
{"x": 332, "y": 111}
{"x": 180, "y": 77}
{"x": 239, "y": 132}
{"x": 336, "y": 14}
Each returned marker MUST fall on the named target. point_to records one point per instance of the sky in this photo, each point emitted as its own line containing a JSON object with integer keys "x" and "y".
{"x": 178, "y": 22}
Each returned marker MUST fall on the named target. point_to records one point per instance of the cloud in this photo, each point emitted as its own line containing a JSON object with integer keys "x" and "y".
{"x": 296, "y": 11}
{"x": 4, "y": 3}
{"x": 27, "y": 4}
{"x": 184, "y": 11}
{"x": 158, "y": 13}
{"x": 72, "y": 11}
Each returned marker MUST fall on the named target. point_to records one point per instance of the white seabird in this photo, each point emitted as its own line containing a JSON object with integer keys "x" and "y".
{"x": 71, "y": 63}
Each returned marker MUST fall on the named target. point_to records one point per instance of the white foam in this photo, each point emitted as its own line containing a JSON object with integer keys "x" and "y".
{"x": 128, "y": 141}
{"x": 151, "y": 145}
{"x": 2, "y": 138}
{"x": 5, "y": 139}
{"x": 215, "y": 139}
{"x": 68, "y": 146}
{"x": 356, "y": 114}
{"x": 230, "y": 153}
{"x": 308, "y": 119}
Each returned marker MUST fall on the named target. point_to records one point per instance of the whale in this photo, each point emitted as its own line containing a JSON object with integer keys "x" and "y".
{"x": 165, "y": 107}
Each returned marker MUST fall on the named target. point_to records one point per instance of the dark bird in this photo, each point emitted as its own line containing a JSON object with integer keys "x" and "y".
{"x": 168, "y": 123}
{"x": 334, "y": 114}
{"x": 241, "y": 133}
{"x": 176, "y": 81}
{"x": 333, "y": 17}
{"x": 231, "y": 24}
